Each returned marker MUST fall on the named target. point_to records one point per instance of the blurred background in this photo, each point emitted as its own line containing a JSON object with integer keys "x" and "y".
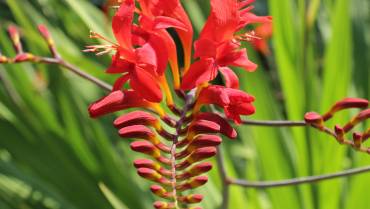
{"x": 53, "y": 156}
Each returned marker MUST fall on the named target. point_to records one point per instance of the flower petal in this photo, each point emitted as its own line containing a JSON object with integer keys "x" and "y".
{"x": 146, "y": 85}
{"x": 122, "y": 22}
{"x": 200, "y": 71}
{"x": 231, "y": 79}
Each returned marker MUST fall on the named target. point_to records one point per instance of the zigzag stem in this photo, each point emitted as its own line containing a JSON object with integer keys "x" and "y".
{"x": 188, "y": 105}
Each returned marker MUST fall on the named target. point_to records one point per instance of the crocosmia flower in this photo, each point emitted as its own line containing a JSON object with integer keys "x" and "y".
{"x": 175, "y": 153}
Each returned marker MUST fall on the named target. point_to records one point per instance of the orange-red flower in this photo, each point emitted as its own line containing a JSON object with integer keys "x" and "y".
{"x": 235, "y": 102}
{"x": 218, "y": 45}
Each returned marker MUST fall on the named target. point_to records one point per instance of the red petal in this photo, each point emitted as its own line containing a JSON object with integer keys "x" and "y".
{"x": 214, "y": 94}
{"x": 223, "y": 21}
{"x": 146, "y": 85}
{"x": 106, "y": 104}
{"x": 119, "y": 65}
{"x": 205, "y": 48}
{"x": 120, "y": 82}
{"x": 200, "y": 72}
{"x": 122, "y": 22}
{"x": 231, "y": 79}
{"x": 228, "y": 54}
{"x": 161, "y": 52}
{"x": 163, "y": 22}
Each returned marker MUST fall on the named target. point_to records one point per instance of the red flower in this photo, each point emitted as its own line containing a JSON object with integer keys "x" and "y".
{"x": 141, "y": 65}
{"x": 218, "y": 46}
{"x": 173, "y": 9}
{"x": 235, "y": 102}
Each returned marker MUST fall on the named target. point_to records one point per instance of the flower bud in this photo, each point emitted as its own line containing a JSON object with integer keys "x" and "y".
{"x": 340, "y": 133}
{"x": 146, "y": 163}
{"x": 357, "y": 140}
{"x": 163, "y": 205}
{"x": 314, "y": 119}
{"x": 160, "y": 191}
{"x": 149, "y": 149}
{"x": 202, "y": 140}
{"x": 153, "y": 175}
{"x": 192, "y": 198}
{"x": 193, "y": 183}
{"x": 345, "y": 104}
{"x": 107, "y": 104}
{"x": 198, "y": 155}
{"x": 195, "y": 171}
{"x": 136, "y": 118}
{"x": 225, "y": 127}
{"x": 23, "y": 57}
{"x": 136, "y": 131}
{"x": 15, "y": 37}
{"x": 363, "y": 115}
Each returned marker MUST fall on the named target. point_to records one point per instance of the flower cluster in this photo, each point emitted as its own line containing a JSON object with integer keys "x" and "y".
{"x": 177, "y": 139}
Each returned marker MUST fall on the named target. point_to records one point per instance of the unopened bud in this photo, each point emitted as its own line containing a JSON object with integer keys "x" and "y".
{"x": 345, "y": 104}
{"x": 46, "y": 34}
{"x": 363, "y": 115}
{"x": 357, "y": 139}
{"x": 202, "y": 140}
{"x": 15, "y": 37}
{"x": 193, "y": 183}
{"x": 153, "y": 175}
{"x": 192, "y": 198}
{"x": 23, "y": 57}
{"x": 225, "y": 127}
{"x": 136, "y": 131}
{"x": 163, "y": 205}
{"x": 195, "y": 171}
{"x": 136, "y": 118}
{"x": 314, "y": 119}
{"x": 107, "y": 104}
{"x": 148, "y": 148}
{"x": 340, "y": 133}
{"x": 198, "y": 155}
{"x": 160, "y": 191}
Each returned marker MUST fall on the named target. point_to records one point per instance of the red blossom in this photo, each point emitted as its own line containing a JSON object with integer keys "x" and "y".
{"x": 218, "y": 45}
{"x": 235, "y": 102}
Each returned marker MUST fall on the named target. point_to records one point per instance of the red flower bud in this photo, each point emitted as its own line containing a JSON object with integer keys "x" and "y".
{"x": 149, "y": 149}
{"x": 340, "y": 133}
{"x": 23, "y": 57}
{"x": 314, "y": 119}
{"x": 193, "y": 183}
{"x": 15, "y": 37}
{"x": 136, "y": 118}
{"x": 195, "y": 170}
{"x": 44, "y": 32}
{"x": 160, "y": 191}
{"x": 146, "y": 163}
{"x": 200, "y": 141}
{"x": 345, "y": 104}
{"x": 163, "y": 205}
{"x": 357, "y": 139}
{"x": 225, "y": 127}
{"x": 363, "y": 115}
{"x": 192, "y": 198}
{"x": 116, "y": 101}
{"x": 136, "y": 131}
{"x": 198, "y": 155}
{"x": 153, "y": 175}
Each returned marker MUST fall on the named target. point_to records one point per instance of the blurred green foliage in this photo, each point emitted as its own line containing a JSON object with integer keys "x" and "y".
{"x": 52, "y": 155}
